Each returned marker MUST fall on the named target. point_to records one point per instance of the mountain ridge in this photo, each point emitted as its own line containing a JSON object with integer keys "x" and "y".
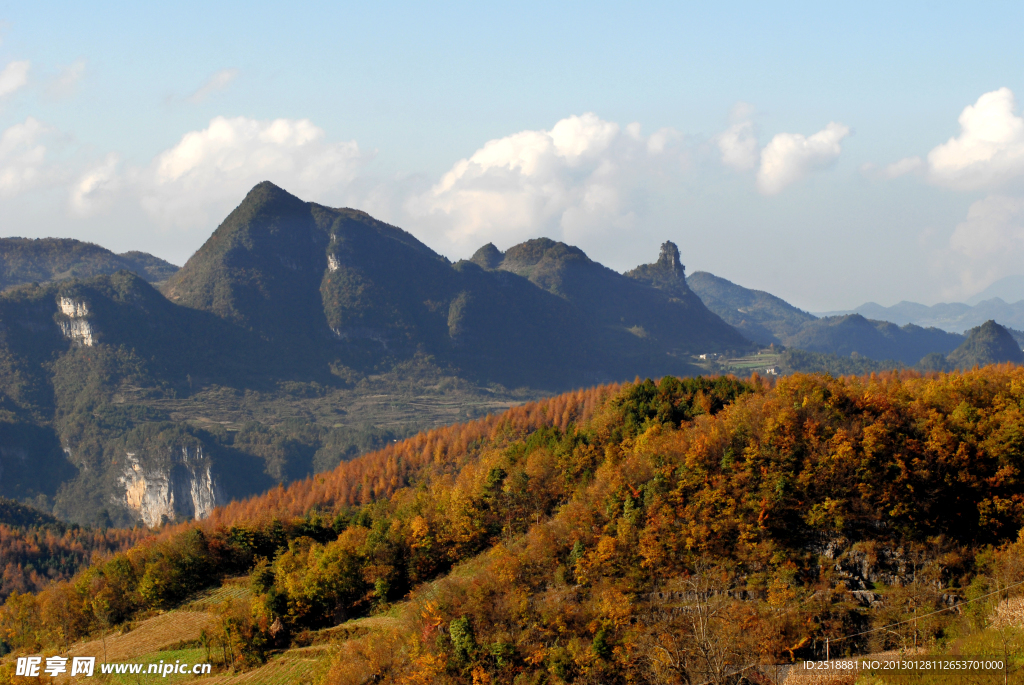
{"x": 41, "y": 260}
{"x": 953, "y": 317}
{"x": 771, "y": 320}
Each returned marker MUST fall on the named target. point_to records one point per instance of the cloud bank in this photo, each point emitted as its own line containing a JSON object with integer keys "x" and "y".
{"x": 579, "y": 180}
{"x": 584, "y": 175}
{"x": 198, "y": 181}
{"x": 786, "y": 159}
{"x": 989, "y": 150}
{"x": 987, "y": 155}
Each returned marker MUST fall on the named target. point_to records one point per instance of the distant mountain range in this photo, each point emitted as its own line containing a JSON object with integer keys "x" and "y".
{"x": 834, "y": 340}
{"x": 42, "y": 260}
{"x": 767, "y": 319}
{"x": 341, "y": 287}
{"x": 954, "y": 317}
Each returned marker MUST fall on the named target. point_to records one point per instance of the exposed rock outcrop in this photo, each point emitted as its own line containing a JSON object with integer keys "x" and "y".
{"x": 183, "y": 487}
{"x": 74, "y": 323}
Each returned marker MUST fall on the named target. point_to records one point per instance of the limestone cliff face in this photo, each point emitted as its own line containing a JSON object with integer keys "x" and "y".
{"x": 74, "y": 322}
{"x": 181, "y": 486}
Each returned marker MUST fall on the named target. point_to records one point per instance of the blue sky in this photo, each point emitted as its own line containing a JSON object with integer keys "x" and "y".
{"x": 760, "y": 139}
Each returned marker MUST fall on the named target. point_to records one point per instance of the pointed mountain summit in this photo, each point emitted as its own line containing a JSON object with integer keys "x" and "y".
{"x": 668, "y": 273}
{"x": 488, "y": 256}
{"x": 989, "y": 343}
{"x": 294, "y": 270}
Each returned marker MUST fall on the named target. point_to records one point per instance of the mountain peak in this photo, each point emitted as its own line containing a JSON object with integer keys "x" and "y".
{"x": 266, "y": 193}
{"x": 989, "y": 343}
{"x": 668, "y": 258}
{"x": 488, "y": 256}
{"x": 668, "y": 273}
{"x": 529, "y": 254}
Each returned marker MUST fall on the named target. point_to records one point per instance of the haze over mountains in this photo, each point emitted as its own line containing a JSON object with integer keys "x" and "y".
{"x": 953, "y": 316}
{"x": 1002, "y": 301}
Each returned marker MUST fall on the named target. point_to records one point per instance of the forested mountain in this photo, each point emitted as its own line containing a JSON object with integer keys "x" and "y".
{"x": 25, "y": 260}
{"x": 297, "y": 337}
{"x": 989, "y": 343}
{"x": 845, "y": 335}
{"x": 644, "y": 533}
{"x": 760, "y": 316}
{"x": 342, "y": 286}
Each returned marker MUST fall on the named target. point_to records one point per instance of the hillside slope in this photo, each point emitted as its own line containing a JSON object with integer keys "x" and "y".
{"x": 844, "y": 335}
{"x": 36, "y": 549}
{"x": 760, "y": 316}
{"x": 40, "y": 260}
{"x": 571, "y": 540}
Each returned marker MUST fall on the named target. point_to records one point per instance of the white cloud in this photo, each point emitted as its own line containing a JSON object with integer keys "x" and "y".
{"x": 739, "y": 148}
{"x": 787, "y": 158}
{"x": 989, "y": 149}
{"x": 988, "y": 155}
{"x": 790, "y": 157}
{"x": 22, "y": 157}
{"x": 582, "y": 176}
{"x": 219, "y": 81}
{"x": 659, "y": 141}
{"x": 200, "y": 179}
{"x": 13, "y": 77}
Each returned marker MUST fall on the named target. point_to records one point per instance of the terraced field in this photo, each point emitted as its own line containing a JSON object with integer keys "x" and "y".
{"x": 148, "y": 637}
{"x": 294, "y": 667}
{"x": 233, "y": 589}
{"x": 378, "y": 403}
